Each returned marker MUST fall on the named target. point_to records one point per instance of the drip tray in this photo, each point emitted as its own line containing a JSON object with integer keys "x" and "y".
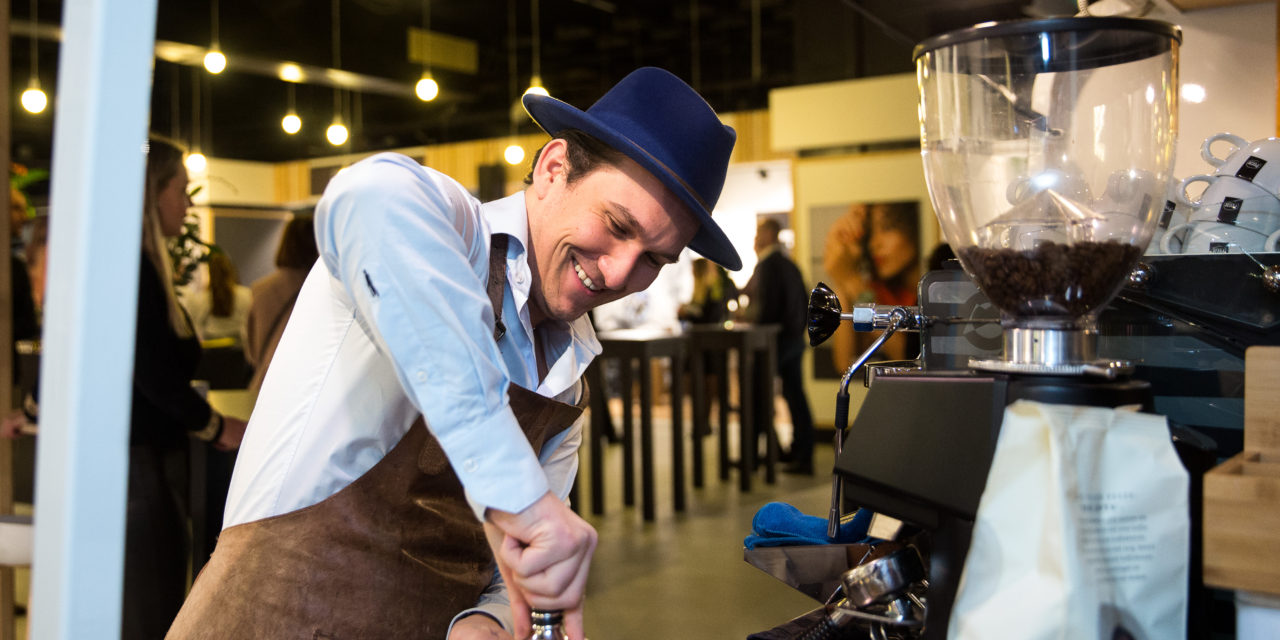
{"x": 814, "y": 570}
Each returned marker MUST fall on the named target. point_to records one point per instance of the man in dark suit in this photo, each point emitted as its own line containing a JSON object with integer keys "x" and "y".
{"x": 778, "y": 296}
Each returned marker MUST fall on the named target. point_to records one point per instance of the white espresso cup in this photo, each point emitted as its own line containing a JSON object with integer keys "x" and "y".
{"x": 1206, "y": 149}
{"x": 1216, "y": 237}
{"x": 1173, "y": 214}
{"x": 1230, "y": 200}
{"x": 1257, "y": 162}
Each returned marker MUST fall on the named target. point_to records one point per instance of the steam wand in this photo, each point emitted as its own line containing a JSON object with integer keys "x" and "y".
{"x": 824, "y": 318}
{"x": 896, "y": 319}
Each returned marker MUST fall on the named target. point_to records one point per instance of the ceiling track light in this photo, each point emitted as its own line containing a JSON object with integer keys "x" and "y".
{"x": 34, "y": 99}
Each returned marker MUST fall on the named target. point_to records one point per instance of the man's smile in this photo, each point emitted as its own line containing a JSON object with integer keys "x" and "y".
{"x": 582, "y": 275}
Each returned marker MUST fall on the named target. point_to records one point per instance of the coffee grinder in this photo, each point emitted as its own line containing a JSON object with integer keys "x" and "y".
{"x": 1047, "y": 146}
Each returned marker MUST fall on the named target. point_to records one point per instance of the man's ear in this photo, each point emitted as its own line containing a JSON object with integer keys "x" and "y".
{"x": 552, "y": 167}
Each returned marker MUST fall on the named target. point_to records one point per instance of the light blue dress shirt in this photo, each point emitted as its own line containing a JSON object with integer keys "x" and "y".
{"x": 394, "y": 320}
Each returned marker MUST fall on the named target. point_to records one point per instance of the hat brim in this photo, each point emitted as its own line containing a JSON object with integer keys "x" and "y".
{"x": 555, "y": 116}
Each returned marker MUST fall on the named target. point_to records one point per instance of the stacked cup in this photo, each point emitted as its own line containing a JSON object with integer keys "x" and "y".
{"x": 1239, "y": 209}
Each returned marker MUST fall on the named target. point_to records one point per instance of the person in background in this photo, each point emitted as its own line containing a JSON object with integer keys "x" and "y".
{"x": 25, "y": 324}
{"x": 220, "y": 311}
{"x": 166, "y": 410}
{"x": 275, "y": 294}
{"x": 871, "y": 255}
{"x": 712, "y": 292}
{"x": 416, "y": 435}
{"x": 778, "y": 296}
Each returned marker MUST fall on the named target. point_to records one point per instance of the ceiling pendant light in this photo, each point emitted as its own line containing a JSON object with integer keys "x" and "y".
{"x": 514, "y": 153}
{"x": 291, "y": 123}
{"x": 337, "y": 133}
{"x": 195, "y": 161}
{"x": 34, "y": 99}
{"x": 535, "y": 82}
{"x": 214, "y": 61}
{"x": 427, "y": 88}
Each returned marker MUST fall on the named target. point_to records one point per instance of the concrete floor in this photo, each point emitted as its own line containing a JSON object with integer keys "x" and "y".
{"x": 683, "y": 575}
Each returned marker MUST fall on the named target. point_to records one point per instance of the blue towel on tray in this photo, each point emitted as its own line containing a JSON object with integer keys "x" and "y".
{"x": 779, "y": 524}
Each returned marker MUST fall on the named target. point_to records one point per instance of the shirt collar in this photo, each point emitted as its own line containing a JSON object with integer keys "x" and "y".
{"x": 576, "y": 341}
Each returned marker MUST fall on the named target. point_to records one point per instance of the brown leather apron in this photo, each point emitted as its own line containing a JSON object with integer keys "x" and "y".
{"x": 395, "y": 554}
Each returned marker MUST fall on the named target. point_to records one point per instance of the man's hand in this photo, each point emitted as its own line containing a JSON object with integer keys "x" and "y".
{"x": 232, "y": 434}
{"x": 11, "y": 425}
{"x": 544, "y": 553}
{"x": 478, "y": 627}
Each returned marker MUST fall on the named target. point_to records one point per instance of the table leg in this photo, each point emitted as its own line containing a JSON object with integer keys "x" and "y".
{"x": 722, "y": 415}
{"x": 599, "y": 423}
{"x": 746, "y": 418}
{"x": 677, "y": 431}
{"x": 628, "y": 437}
{"x": 646, "y": 439}
{"x": 765, "y": 420}
{"x": 701, "y": 422}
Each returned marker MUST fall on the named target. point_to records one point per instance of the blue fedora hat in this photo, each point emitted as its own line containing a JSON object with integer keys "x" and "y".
{"x": 657, "y": 120}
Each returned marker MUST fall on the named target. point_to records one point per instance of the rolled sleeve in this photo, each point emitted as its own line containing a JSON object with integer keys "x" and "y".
{"x": 410, "y": 250}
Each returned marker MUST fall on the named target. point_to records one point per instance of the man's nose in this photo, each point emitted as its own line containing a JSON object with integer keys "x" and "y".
{"x": 617, "y": 266}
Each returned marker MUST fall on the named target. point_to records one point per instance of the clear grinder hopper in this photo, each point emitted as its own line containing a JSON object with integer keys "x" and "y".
{"x": 1047, "y": 148}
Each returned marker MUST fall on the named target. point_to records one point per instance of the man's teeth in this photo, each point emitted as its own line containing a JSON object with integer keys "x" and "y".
{"x": 582, "y": 275}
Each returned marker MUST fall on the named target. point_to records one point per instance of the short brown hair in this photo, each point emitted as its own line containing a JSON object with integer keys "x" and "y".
{"x": 585, "y": 154}
{"x": 298, "y": 244}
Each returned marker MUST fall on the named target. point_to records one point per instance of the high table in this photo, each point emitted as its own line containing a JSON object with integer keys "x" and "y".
{"x": 626, "y": 346}
{"x": 756, "y": 345}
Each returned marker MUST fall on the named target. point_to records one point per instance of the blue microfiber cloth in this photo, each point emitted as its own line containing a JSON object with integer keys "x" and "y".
{"x": 779, "y": 524}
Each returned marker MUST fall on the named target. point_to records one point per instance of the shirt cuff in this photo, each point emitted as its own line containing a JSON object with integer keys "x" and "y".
{"x": 483, "y": 610}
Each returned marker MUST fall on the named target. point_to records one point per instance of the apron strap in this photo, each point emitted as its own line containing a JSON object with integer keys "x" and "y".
{"x": 497, "y": 280}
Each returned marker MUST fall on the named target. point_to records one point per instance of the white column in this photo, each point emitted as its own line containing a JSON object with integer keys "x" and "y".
{"x": 103, "y": 99}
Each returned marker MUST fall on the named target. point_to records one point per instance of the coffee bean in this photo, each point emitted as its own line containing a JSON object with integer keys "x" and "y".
{"x": 1053, "y": 279}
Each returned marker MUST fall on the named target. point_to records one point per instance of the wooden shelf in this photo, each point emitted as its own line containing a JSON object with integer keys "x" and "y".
{"x": 1242, "y": 495}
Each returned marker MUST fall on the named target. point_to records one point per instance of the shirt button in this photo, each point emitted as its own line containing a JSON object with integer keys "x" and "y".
{"x": 520, "y": 276}
{"x": 470, "y": 465}
{"x": 422, "y": 375}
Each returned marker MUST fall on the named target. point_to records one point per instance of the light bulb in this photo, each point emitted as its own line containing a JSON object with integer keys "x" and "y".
{"x": 538, "y": 89}
{"x": 34, "y": 100}
{"x": 514, "y": 154}
{"x": 291, "y": 123}
{"x": 427, "y": 89}
{"x": 215, "y": 62}
{"x": 196, "y": 162}
{"x": 290, "y": 72}
{"x": 336, "y": 133}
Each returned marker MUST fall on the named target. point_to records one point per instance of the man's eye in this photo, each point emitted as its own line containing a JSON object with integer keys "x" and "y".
{"x": 655, "y": 261}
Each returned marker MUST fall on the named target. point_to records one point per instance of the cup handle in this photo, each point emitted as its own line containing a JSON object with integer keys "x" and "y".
{"x": 1169, "y": 234}
{"x": 1186, "y": 182}
{"x": 1270, "y": 246}
{"x": 1207, "y": 153}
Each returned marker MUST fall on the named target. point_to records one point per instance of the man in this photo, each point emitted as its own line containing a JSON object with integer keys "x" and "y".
{"x": 778, "y": 296}
{"x": 422, "y": 414}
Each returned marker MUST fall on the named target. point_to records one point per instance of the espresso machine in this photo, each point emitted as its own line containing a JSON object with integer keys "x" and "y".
{"x": 1047, "y": 146}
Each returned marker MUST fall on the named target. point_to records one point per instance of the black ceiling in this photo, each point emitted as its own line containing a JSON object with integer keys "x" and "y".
{"x": 586, "y": 45}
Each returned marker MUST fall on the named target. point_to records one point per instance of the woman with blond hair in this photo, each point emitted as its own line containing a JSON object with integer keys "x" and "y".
{"x": 166, "y": 411}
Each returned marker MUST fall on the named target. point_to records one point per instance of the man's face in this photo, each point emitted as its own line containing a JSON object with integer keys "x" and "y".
{"x": 605, "y": 236}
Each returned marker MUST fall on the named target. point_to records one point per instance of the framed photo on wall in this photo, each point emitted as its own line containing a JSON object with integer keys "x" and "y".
{"x": 867, "y": 252}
